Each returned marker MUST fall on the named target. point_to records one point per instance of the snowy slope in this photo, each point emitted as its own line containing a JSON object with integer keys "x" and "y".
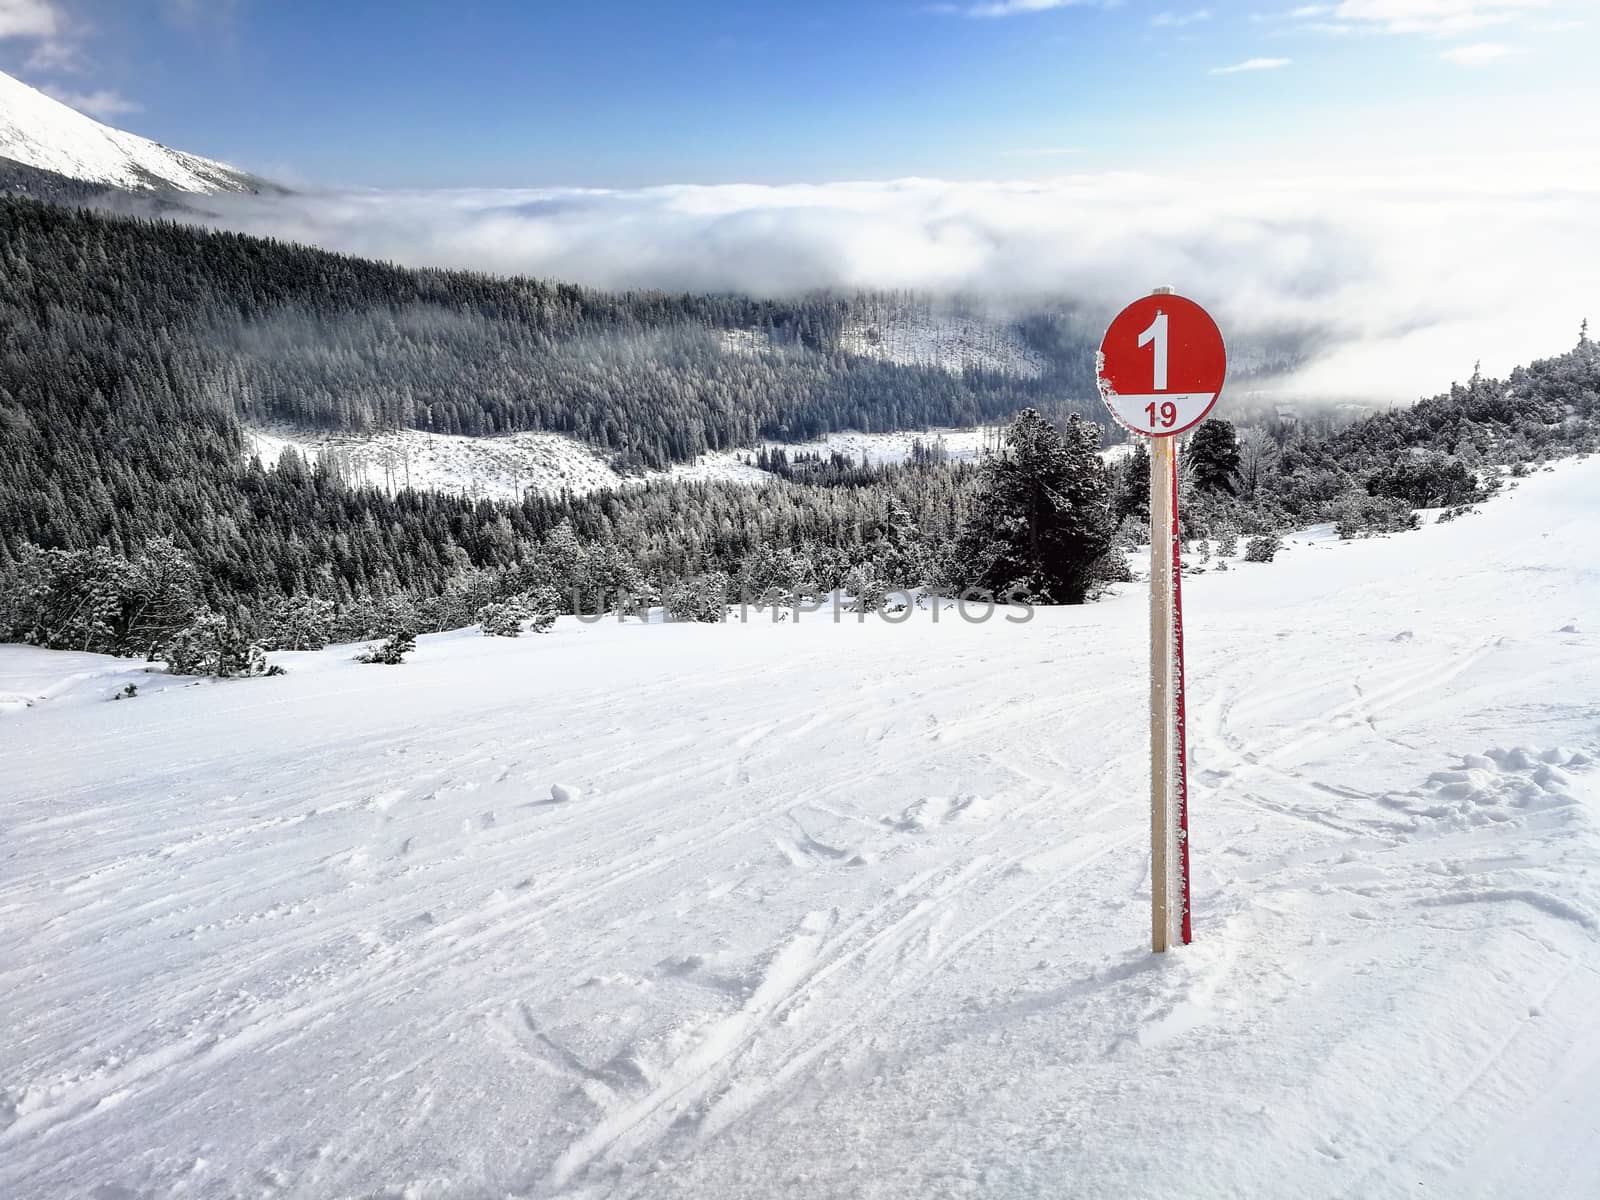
{"x": 42, "y": 132}
{"x": 914, "y": 336}
{"x": 504, "y": 467}
{"x": 495, "y": 468}
{"x": 839, "y": 909}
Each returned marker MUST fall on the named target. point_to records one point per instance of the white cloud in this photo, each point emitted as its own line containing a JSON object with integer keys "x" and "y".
{"x": 55, "y": 48}
{"x": 1479, "y": 54}
{"x": 29, "y": 19}
{"x": 57, "y": 56}
{"x": 1401, "y": 277}
{"x": 1252, "y": 64}
{"x": 1176, "y": 20}
{"x": 103, "y": 103}
{"x": 1438, "y": 17}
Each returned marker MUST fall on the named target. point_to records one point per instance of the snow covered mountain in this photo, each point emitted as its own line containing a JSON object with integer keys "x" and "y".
{"x": 41, "y": 132}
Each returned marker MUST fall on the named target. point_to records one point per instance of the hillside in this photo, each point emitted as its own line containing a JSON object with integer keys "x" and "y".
{"x": 39, "y": 131}
{"x": 334, "y": 932}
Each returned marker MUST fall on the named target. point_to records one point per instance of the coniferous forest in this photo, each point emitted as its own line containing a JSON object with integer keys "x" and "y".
{"x": 133, "y": 353}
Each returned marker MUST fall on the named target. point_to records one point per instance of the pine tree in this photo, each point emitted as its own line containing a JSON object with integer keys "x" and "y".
{"x": 392, "y": 651}
{"x": 703, "y": 598}
{"x": 1130, "y": 492}
{"x": 502, "y": 618}
{"x": 1213, "y": 452}
{"x": 213, "y": 645}
{"x": 1041, "y": 521}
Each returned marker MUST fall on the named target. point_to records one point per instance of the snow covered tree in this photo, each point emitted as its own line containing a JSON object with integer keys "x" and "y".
{"x": 502, "y": 618}
{"x": 768, "y": 570}
{"x": 533, "y": 612}
{"x": 66, "y": 599}
{"x": 160, "y": 595}
{"x": 1130, "y": 487}
{"x": 1425, "y": 481}
{"x": 1262, "y": 548}
{"x": 1258, "y": 455}
{"x": 1213, "y": 451}
{"x": 392, "y": 651}
{"x": 869, "y": 593}
{"x": 213, "y": 645}
{"x": 1041, "y": 520}
{"x": 702, "y": 598}
{"x": 297, "y": 623}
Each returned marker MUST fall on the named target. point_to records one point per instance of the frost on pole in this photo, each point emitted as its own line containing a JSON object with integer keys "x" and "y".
{"x": 1160, "y": 369}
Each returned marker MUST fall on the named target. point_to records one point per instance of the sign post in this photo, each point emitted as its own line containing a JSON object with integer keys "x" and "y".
{"x": 1161, "y": 367}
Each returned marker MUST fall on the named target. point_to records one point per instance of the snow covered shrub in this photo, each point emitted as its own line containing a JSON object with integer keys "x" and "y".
{"x": 542, "y": 606}
{"x": 703, "y": 598}
{"x": 869, "y": 591}
{"x": 1262, "y": 548}
{"x": 366, "y": 617}
{"x": 502, "y": 618}
{"x": 213, "y": 645}
{"x": 1363, "y": 516}
{"x": 533, "y": 612}
{"x": 392, "y": 651}
{"x": 1131, "y": 534}
{"x": 1112, "y": 568}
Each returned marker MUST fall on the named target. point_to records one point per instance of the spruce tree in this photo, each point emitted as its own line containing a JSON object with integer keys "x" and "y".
{"x": 1214, "y": 454}
{"x": 1041, "y": 522}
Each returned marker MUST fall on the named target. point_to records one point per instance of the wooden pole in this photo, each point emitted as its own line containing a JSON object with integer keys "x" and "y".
{"x": 1162, "y": 689}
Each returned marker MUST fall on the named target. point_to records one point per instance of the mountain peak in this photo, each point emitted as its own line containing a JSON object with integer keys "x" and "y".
{"x": 42, "y": 132}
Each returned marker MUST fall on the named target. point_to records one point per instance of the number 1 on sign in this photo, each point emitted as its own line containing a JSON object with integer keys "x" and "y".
{"x": 1157, "y": 333}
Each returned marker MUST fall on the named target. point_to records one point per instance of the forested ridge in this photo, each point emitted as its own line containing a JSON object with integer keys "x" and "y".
{"x": 274, "y": 331}
{"x": 129, "y": 510}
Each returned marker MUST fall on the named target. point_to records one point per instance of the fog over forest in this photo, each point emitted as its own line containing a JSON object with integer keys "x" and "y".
{"x": 1394, "y": 283}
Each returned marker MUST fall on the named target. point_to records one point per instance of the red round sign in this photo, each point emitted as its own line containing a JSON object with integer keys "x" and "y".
{"x": 1161, "y": 365}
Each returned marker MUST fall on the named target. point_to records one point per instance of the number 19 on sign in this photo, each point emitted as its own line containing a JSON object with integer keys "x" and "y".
{"x": 1161, "y": 368}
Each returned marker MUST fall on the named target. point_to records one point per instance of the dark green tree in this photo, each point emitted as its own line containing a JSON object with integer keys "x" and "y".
{"x": 1130, "y": 488}
{"x": 1041, "y": 521}
{"x": 1214, "y": 452}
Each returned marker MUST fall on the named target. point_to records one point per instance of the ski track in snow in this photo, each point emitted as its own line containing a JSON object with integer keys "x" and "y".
{"x": 827, "y": 910}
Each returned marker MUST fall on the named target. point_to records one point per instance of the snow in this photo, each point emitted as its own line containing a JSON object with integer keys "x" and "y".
{"x": 30, "y": 676}
{"x": 851, "y": 908}
{"x": 496, "y": 468}
{"x": 914, "y": 335}
{"x": 43, "y": 132}
{"x": 503, "y": 467}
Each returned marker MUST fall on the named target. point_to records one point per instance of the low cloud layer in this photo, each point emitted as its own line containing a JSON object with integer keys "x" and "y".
{"x": 1400, "y": 282}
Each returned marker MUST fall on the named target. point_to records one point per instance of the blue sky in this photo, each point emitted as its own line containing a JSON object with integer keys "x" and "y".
{"x": 635, "y": 92}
